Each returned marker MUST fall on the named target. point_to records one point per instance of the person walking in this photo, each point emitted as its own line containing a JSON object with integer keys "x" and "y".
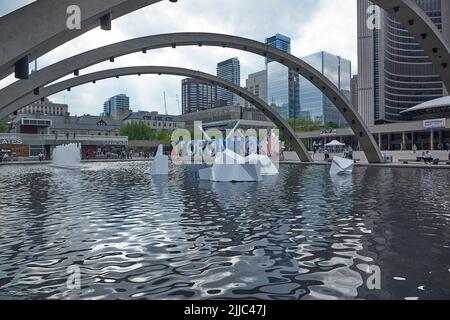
{"x": 414, "y": 148}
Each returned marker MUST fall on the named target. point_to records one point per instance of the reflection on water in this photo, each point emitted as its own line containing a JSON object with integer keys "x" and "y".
{"x": 301, "y": 235}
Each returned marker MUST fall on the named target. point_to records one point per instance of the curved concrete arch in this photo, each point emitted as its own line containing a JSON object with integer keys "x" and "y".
{"x": 417, "y": 22}
{"x": 40, "y": 27}
{"x": 282, "y": 124}
{"x": 74, "y": 64}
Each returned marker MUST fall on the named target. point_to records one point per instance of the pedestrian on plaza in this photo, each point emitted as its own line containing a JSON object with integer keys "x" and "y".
{"x": 414, "y": 148}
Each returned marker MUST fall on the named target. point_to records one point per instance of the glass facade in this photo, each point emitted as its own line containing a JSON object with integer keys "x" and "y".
{"x": 279, "y": 41}
{"x": 282, "y": 83}
{"x": 410, "y": 78}
{"x": 229, "y": 70}
{"x": 313, "y": 104}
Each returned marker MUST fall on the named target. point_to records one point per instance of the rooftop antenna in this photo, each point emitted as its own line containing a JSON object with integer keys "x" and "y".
{"x": 165, "y": 103}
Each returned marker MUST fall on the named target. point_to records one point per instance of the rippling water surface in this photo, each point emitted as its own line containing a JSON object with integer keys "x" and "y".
{"x": 301, "y": 235}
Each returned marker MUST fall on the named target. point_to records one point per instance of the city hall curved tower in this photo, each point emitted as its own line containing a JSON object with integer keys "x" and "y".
{"x": 395, "y": 73}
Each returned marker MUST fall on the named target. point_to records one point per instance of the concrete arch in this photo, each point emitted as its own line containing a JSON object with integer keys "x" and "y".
{"x": 417, "y": 22}
{"x": 40, "y": 27}
{"x": 282, "y": 124}
{"x": 74, "y": 64}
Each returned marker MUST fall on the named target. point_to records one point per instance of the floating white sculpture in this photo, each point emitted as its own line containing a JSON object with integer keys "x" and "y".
{"x": 266, "y": 165}
{"x": 231, "y": 167}
{"x": 341, "y": 166}
{"x": 67, "y": 157}
{"x": 160, "y": 164}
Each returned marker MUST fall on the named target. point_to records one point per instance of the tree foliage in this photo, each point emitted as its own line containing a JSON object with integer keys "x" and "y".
{"x": 307, "y": 125}
{"x": 3, "y": 125}
{"x": 141, "y": 131}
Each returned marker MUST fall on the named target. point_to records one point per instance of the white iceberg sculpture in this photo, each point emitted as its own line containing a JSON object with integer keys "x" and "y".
{"x": 266, "y": 165}
{"x": 160, "y": 164}
{"x": 67, "y": 157}
{"x": 341, "y": 166}
{"x": 231, "y": 167}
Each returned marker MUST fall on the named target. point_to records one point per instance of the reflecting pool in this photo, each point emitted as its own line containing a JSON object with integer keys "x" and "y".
{"x": 301, "y": 235}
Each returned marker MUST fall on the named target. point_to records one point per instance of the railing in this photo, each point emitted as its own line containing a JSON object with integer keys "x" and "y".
{"x": 12, "y": 138}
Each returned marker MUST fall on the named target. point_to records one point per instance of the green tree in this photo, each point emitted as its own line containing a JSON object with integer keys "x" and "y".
{"x": 3, "y": 125}
{"x": 304, "y": 125}
{"x": 137, "y": 131}
{"x": 331, "y": 125}
{"x": 141, "y": 131}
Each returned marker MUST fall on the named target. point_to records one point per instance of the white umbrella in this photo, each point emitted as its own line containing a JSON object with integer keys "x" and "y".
{"x": 335, "y": 143}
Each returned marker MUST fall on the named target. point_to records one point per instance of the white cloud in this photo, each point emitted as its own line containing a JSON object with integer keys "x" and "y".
{"x": 313, "y": 25}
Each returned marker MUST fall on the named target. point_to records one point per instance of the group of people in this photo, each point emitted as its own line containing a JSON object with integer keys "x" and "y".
{"x": 4, "y": 157}
{"x": 427, "y": 157}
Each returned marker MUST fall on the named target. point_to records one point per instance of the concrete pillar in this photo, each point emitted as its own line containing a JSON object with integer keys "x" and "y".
{"x": 432, "y": 140}
{"x": 440, "y": 136}
{"x": 379, "y": 140}
{"x": 413, "y": 140}
{"x": 389, "y": 141}
{"x": 404, "y": 140}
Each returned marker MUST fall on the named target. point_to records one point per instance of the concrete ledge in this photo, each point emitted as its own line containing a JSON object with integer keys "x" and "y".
{"x": 31, "y": 163}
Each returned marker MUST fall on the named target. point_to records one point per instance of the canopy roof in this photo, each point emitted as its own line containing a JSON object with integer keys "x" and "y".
{"x": 335, "y": 143}
{"x": 436, "y": 106}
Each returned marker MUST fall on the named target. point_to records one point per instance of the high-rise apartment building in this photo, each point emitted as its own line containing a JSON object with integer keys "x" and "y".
{"x": 197, "y": 95}
{"x": 120, "y": 102}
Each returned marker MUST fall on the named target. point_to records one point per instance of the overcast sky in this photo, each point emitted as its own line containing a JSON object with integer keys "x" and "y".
{"x": 313, "y": 25}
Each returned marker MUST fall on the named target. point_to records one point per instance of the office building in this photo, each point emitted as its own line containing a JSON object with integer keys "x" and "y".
{"x": 354, "y": 90}
{"x": 394, "y": 72}
{"x": 45, "y": 107}
{"x": 197, "y": 95}
{"x": 155, "y": 120}
{"x": 256, "y": 83}
{"x": 282, "y": 83}
{"x": 230, "y": 70}
{"x": 314, "y": 105}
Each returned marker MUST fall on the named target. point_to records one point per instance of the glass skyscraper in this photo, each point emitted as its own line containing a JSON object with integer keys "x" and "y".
{"x": 314, "y": 105}
{"x": 282, "y": 83}
{"x": 229, "y": 70}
